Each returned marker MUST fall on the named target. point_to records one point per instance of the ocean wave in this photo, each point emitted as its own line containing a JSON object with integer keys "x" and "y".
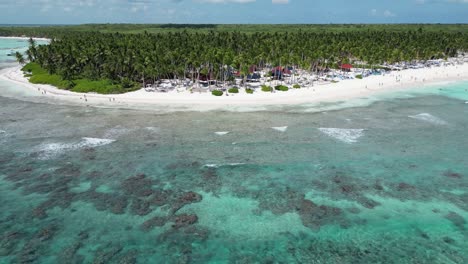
{"x": 51, "y": 150}
{"x": 94, "y": 142}
{"x": 153, "y": 129}
{"x": 223, "y": 165}
{"x": 222, "y": 133}
{"x": 426, "y": 117}
{"x": 280, "y": 129}
{"x": 117, "y": 131}
{"x": 345, "y": 135}
{"x": 2, "y": 131}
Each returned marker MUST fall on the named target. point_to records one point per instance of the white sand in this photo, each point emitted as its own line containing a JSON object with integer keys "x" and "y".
{"x": 347, "y": 89}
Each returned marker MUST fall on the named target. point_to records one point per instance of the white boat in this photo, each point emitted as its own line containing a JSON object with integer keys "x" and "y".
{"x": 12, "y": 53}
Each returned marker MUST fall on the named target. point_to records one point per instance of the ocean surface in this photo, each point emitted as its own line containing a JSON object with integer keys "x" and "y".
{"x": 378, "y": 182}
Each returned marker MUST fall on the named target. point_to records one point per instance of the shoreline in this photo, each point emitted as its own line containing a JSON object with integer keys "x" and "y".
{"x": 25, "y": 38}
{"x": 331, "y": 92}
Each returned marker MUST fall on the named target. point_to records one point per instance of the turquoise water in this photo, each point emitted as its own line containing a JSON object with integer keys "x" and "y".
{"x": 7, "y": 45}
{"x": 383, "y": 183}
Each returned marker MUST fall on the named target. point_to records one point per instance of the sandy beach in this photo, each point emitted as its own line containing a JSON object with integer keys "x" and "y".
{"x": 344, "y": 90}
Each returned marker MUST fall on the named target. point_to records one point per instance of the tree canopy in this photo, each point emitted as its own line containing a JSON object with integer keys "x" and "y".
{"x": 145, "y": 57}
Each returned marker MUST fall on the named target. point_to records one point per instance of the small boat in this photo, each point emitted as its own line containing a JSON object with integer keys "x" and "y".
{"x": 12, "y": 53}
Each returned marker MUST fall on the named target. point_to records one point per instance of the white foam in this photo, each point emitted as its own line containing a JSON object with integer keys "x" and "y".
{"x": 51, "y": 150}
{"x": 428, "y": 118}
{"x": 466, "y": 102}
{"x": 2, "y": 131}
{"x": 94, "y": 142}
{"x": 344, "y": 135}
{"x": 211, "y": 165}
{"x": 222, "y": 133}
{"x": 152, "y": 129}
{"x": 280, "y": 129}
{"x": 235, "y": 164}
{"x": 222, "y": 165}
{"x": 117, "y": 131}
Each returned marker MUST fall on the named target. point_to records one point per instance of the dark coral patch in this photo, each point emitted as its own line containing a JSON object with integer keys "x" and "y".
{"x": 315, "y": 216}
{"x": 456, "y": 219}
{"x": 138, "y": 185}
{"x": 140, "y": 207}
{"x": 156, "y": 221}
{"x": 452, "y": 175}
{"x": 185, "y": 199}
{"x": 184, "y": 220}
{"x": 160, "y": 197}
{"x": 402, "y": 186}
{"x": 106, "y": 254}
{"x": 9, "y": 241}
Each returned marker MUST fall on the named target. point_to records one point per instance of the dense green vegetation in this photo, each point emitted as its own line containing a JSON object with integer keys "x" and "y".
{"x": 81, "y": 57}
{"x": 296, "y": 86}
{"x": 249, "y": 91}
{"x": 55, "y": 31}
{"x": 38, "y": 75}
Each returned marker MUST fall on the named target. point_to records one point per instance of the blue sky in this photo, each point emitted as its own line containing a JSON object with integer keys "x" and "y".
{"x": 232, "y": 11}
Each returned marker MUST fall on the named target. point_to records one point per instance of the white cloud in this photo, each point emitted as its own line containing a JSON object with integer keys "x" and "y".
{"x": 226, "y": 1}
{"x": 388, "y": 13}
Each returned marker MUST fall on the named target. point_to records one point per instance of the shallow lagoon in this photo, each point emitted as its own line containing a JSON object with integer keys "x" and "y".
{"x": 386, "y": 182}
{"x": 102, "y": 185}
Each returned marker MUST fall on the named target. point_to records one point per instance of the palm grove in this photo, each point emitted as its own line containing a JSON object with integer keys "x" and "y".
{"x": 127, "y": 61}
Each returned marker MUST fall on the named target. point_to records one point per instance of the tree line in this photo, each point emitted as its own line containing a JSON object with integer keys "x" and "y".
{"x": 146, "y": 58}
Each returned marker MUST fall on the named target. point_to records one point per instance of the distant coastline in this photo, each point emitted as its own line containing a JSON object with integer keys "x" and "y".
{"x": 25, "y": 38}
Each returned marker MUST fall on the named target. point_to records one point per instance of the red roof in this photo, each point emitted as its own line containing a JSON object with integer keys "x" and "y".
{"x": 283, "y": 70}
{"x": 346, "y": 66}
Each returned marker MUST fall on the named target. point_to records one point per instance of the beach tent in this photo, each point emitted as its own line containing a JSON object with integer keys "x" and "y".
{"x": 253, "y": 77}
{"x": 277, "y": 73}
{"x": 346, "y": 67}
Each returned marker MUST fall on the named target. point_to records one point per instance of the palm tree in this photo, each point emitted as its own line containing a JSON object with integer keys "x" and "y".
{"x": 19, "y": 58}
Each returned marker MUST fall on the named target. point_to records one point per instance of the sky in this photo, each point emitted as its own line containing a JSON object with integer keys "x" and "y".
{"x": 232, "y": 11}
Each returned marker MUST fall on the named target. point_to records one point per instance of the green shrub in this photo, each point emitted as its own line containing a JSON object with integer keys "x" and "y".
{"x": 234, "y": 90}
{"x": 359, "y": 76}
{"x": 281, "y": 88}
{"x": 267, "y": 88}
{"x": 101, "y": 86}
{"x": 41, "y": 76}
{"x": 296, "y": 86}
{"x": 217, "y": 93}
{"x": 33, "y": 68}
{"x": 249, "y": 91}
{"x": 52, "y": 79}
